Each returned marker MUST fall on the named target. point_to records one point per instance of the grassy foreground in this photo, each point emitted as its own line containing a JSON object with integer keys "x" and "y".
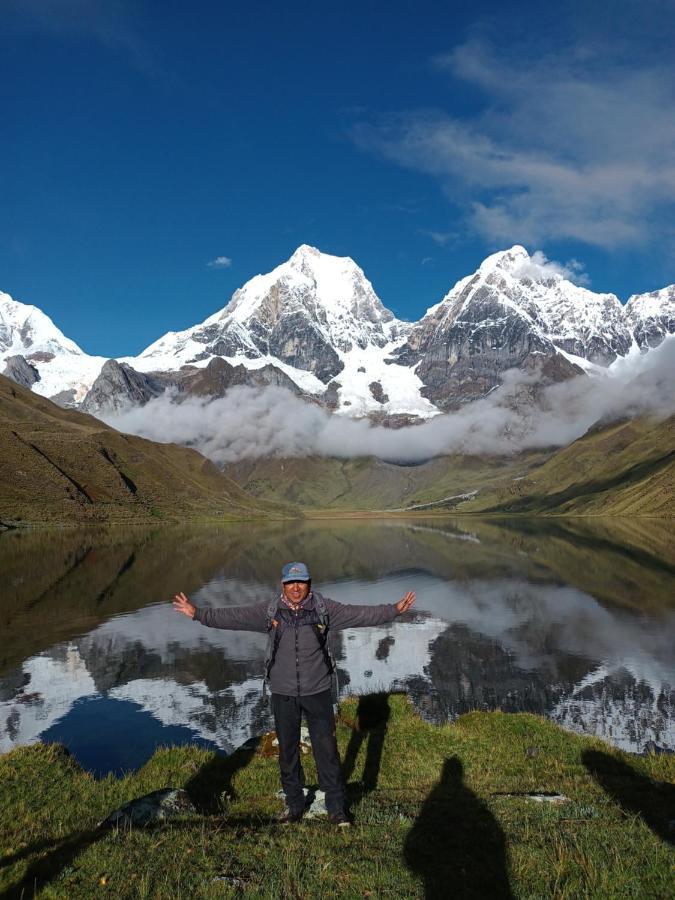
{"x": 438, "y": 812}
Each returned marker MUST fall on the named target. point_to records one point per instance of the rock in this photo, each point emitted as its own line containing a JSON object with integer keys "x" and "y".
{"x": 543, "y": 797}
{"x": 331, "y": 398}
{"x": 651, "y": 748}
{"x": 21, "y": 371}
{"x": 375, "y": 388}
{"x": 315, "y": 803}
{"x": 65, "y": 399}
{"x": 233, "y": 881}
{"x": 158, "y": 806}
{"x": 296, "y": 341}
{"x": 218, "y": 376}
{"x": 118, "y": 386}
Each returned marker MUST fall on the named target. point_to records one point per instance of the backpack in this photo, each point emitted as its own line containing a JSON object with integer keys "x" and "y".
{"x": 320, "y": 629}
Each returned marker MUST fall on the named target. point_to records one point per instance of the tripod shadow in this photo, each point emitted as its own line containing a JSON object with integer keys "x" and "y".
{"x": 213, "y": 781}
{"x": 372, "y": 718}
{"x": 653, "y": 801}
{"x": 455, "y": 845}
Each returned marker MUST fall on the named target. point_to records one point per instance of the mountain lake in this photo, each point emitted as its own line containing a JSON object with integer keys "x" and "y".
{"x": 573, "y": 619}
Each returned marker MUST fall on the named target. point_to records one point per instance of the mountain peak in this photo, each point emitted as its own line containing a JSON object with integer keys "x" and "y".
{"x": 314, "y": 262}
{"x": 507, "y": 260}
{"x": 305, "y": 250}
{"x": 26, "y": 329}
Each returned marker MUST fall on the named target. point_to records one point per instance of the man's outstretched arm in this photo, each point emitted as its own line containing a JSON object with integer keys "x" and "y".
{"x": 235, "y": 618}
{"x": 349, "y": 615}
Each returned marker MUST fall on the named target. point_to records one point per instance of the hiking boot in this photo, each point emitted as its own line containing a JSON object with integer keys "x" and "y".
{"x": 339, "y": 819}
{"x": 288, "y": 816}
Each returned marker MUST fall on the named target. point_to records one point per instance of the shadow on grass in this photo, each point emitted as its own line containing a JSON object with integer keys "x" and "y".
{"x": 48, "y": 867}
{"x": 213, "y": 780}
{"x": 653, "y": 801}
{"x": 206, "y": 789}
{"x": 372, "y": 718}
{"x": 456, "y": 845}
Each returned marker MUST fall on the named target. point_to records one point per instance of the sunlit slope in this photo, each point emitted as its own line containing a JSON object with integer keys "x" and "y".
{"x": 60, "y": 465}
{"x": 367, "y": 483}
{"x": 622, "y": 469}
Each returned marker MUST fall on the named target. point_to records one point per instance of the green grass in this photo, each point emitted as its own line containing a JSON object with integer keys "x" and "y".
{"x": 438, "y": 812}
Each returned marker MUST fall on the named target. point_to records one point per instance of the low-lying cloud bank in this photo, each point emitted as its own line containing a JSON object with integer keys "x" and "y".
{"x": 253, "y": 422}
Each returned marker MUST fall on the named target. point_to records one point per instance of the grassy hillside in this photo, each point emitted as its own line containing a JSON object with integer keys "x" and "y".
{"x": 438, "y": 812}
{"x": 367, "y": 483}
{"x": 60, "y": 465}
{"x": 622, "y": 469}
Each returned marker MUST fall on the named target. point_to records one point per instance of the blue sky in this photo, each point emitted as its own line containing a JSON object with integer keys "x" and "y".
{"x": 142, "y": 140}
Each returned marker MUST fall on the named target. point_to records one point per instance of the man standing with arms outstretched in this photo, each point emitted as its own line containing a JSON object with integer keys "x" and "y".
{"x": 299, "y": 669}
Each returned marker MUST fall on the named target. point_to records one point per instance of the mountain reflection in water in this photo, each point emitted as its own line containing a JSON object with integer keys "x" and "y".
{"x": 570, "y": 619}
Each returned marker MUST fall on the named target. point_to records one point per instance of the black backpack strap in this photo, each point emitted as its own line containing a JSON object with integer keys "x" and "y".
{"x": 321, "y": 629}
{"x": 321, "y": 610}
{"x": 273, "y": 638}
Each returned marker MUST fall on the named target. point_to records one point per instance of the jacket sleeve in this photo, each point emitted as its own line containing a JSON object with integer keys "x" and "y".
{"x": 349, "y": 615}
{"x": 234, "y": 618}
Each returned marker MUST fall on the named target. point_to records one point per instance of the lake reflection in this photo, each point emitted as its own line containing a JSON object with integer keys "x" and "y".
{"x": 570, "y": 619}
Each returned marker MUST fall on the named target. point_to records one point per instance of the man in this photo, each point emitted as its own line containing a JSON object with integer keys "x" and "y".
{"x": 299, "y": 669}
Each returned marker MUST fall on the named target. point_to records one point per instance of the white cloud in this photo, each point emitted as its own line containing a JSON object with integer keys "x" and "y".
{"x": 539, "y": 268}
{"x": 251, "y": 422}
{"x": 220, "y": 262}
{"x": 579, "y": 145}
{"x": 439, "y": 237}
{"x": 113, "y": 23}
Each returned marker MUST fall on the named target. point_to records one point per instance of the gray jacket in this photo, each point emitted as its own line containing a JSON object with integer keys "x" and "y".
{"x": 300, "y": 665}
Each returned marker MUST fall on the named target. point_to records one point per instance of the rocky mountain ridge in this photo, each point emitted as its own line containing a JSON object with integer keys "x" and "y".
{"x": 315, "y": 325}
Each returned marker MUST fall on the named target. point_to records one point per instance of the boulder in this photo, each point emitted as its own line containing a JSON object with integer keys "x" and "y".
{"x": 167, "y": 803}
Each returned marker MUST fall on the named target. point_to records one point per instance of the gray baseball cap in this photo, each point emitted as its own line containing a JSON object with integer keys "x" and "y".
{"x": 295, "y": 571}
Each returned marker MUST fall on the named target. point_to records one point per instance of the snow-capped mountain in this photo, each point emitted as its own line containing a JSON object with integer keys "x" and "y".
{"x": 305, "y": 313}
{"x": 61, "y": 365}
{"x": 316, "y": 323}
{"x": 651, "y": 317}
{"x": 317, "y": 318}
{"x": 509, "y": 314}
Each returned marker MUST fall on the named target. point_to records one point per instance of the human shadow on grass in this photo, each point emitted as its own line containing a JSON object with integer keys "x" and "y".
{"x": 372, "y": 718}
{"x": 456, "y": 845}
{"x": 206, "y": 789}
{"x": 43, "y": 870}
{"x": 653, "y": 801}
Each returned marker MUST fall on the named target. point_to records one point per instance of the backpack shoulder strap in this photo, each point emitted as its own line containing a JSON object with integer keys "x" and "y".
{"x": 321, "y": 610}
{"x": 271, "y": 610}
{"x": 273, "y": 638}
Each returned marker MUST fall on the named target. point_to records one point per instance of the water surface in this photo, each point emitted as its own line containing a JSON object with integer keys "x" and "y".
{"x": 572, "y": 619}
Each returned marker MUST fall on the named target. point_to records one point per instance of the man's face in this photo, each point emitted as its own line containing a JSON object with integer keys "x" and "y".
{"x": 296, "y": 591}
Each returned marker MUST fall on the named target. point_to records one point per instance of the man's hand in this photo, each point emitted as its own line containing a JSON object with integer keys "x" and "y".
{"x": 405, "y": 603}
{"x": 182, "y": 605}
